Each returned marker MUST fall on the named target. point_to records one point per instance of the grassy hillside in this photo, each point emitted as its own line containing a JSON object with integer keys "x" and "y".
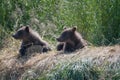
{"x": 97, "y": 20}
{"x": 89, "y": 63}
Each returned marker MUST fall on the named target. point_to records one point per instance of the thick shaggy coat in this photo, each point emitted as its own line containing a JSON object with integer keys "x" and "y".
{"x": 29, "y": 37}
{"x": 70, "y": 40}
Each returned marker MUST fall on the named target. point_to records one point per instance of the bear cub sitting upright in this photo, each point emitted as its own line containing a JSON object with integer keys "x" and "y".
{"x": 29, "y": 38}
{"x": 70, "y": 40}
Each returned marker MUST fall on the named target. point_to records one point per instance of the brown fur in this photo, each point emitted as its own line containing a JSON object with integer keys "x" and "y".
{"x": 70, "y": 40}
{"x": 29, "y": 37}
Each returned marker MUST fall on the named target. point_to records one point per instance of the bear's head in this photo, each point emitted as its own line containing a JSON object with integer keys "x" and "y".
{"x": 67, "y": 34}
{"x": 22, "y": 33}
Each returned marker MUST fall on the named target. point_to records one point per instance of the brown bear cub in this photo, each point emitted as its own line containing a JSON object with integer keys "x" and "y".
{"x": 70, "y": 40}
{"x": 29, "y": 37}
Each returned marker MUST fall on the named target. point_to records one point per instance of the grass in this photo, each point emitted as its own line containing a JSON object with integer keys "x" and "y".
{"x": 94, "y": 68}
{"x": 98, "y": 22}
{"x": 90, "y": 63}
{"x": 50, "y": 16}
{"x": 85, "y": 71}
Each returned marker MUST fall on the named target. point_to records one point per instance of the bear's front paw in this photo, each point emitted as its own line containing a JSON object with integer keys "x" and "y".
{"x": 45, "y": 49}
{"x": 22, "y": 52}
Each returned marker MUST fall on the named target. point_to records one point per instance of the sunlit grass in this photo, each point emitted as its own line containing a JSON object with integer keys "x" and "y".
{"x": 93, "y": 63}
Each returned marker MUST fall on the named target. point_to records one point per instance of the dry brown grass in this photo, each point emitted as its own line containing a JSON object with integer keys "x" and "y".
{"x": 13, "y": 67}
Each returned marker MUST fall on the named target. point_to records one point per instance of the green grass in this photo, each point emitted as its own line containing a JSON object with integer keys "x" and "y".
{"x": 84, "y": 70}
{"x": 97, "y": 20}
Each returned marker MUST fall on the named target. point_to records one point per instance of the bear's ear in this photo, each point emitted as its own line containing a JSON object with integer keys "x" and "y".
{"x": 74, "y": 29}
{"x": 64, "y": 28}
{"x": 27, "y": 29}
{"x": 21, "y": 26}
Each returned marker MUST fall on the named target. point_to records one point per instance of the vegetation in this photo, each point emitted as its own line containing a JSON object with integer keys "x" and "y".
{"x": 97, "y": 20}
{"x": 84, "y": 70}
{"x": 91, "y": 63}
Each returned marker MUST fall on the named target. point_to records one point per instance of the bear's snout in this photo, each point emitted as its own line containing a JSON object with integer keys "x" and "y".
{"x": 58, "y": 39}
{"x": 14, "y": 36}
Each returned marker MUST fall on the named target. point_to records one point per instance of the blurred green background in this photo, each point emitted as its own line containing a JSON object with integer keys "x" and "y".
{"x": 97, "y": 20}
